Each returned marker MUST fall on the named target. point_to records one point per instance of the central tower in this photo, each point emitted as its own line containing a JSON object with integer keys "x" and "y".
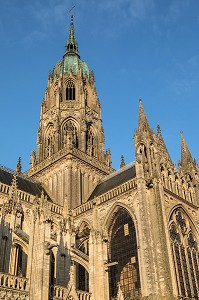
{"x": 70, "y": 159}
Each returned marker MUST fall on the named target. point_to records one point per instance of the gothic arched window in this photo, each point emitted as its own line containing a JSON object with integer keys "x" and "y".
{"x": 185, "y": 256}
{"x": 123, "y": 255}
{"x": 70, "y": 132}
{"x": 82, "y": 278}
{"x": 20, "y": 261}
{"x": 70, "y": 91}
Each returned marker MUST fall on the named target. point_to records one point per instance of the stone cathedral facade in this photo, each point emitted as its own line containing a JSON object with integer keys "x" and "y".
{"x": 73, "y": 228}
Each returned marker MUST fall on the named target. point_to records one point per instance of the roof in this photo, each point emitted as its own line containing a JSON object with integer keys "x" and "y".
{"x": 113, "y": 180}
{"x": 23, "y": 183}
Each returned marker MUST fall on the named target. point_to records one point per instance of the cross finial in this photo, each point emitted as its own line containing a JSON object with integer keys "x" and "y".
{"x": 72, "y": 10}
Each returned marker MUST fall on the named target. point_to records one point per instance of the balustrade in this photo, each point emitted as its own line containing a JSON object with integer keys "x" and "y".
{"x": 62, "y": 293}
{"x": 83, "y": 295}
{"x": 14, "y": 282}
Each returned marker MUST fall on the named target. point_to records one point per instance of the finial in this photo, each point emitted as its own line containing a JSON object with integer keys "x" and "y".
{"x": 158, "y": 128}
{"x": 71, "y": 45}
{"x": 122, "y": 163}
{"x": 71, "y": 10}
{"x": 18, "y": 167}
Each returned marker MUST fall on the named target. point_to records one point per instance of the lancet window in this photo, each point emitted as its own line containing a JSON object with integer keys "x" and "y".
{"x": 70, "y": 134}
{"x": 70, "y": 91}
{"x": 52, "y": 268}
{"x": 50, "y": 141}
{"x": 18, "y": 261}
{"x": 82, "y": 278}
{"x": 123, "y": 256}
{"x": 185, "y": 255}
{"x": 90, "y": 142}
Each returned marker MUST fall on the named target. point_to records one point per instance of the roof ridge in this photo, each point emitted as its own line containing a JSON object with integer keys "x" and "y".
{"x": 21, "y": 175}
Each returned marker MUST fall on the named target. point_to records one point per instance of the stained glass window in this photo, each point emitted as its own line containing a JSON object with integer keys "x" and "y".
{"x": 123, "y": 251}
{"x": 185, "y": 254}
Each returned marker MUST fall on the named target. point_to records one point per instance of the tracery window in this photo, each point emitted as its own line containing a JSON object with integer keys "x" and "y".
{"x": 70, "y": 132}
{"x": 185, "y": 255}
{"x": 124, "y": 271}
{"x": 70, "y": 91}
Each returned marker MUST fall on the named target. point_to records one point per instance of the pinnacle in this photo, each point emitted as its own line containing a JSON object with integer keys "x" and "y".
{"x": 122, "y": 163}
{"x": 186, "y": 156}
{"x": 143, "y": 124}
{"x": 18, "y": 167}
{"x": 161, "y": 143}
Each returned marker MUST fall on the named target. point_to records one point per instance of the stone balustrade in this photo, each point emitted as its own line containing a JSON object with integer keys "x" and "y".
{"x": 59, "y": 292}
{"x": 13, "y": 287}
{"x": 83, "y": 295}
{"x": 14, "y": 282}
{"x": 62, "y": 293}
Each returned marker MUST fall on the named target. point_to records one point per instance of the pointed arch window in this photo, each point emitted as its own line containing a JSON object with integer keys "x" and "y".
{"x": 70, "y": 134}
{"x": 185, "y": 256}
{"x": 123, "y": 254}
{"x": 70, "y": 91}
{"x": 82, "y": 278}
{"x": 20, "y": 261}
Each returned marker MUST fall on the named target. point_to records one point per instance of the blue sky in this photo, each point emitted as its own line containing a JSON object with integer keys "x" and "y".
{"x": 145, "y": 49}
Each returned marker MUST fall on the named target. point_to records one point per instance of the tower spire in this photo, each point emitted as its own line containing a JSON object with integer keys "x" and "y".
{"x": 71, "y": 44}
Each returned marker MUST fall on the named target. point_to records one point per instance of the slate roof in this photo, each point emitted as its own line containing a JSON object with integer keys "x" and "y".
{"x": 113, "y": 180}
{"x": 24, "y": 183}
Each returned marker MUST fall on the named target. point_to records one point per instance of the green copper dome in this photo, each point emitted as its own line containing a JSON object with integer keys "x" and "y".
{"x": 71, "y": 61}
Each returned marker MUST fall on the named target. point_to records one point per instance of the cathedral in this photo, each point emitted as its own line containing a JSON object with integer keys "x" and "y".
{"x": 72, "y": 227}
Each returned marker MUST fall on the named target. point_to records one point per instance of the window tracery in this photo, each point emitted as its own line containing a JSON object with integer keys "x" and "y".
{"x": 70, "y": 132}
{"x": 185, "y": 255}
{"x": 70, "y": 91}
